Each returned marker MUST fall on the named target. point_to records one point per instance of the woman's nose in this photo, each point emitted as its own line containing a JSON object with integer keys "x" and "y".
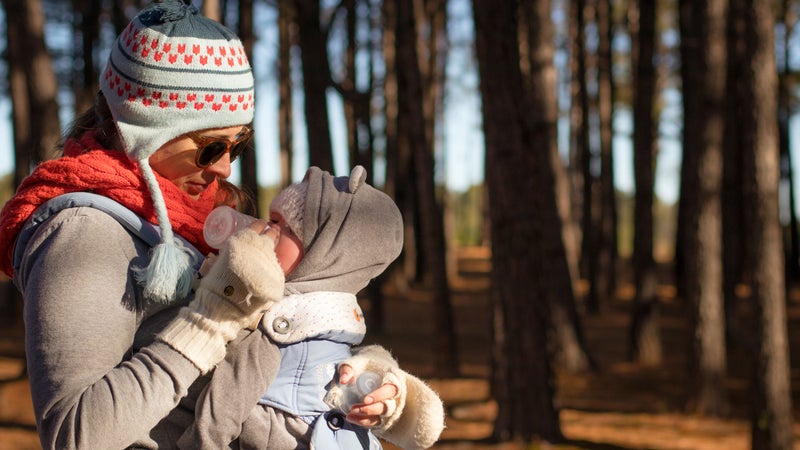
{"x": 221, "y": 168}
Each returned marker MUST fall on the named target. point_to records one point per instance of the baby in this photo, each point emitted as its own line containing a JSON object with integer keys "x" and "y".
{"x": 295, "y": 372}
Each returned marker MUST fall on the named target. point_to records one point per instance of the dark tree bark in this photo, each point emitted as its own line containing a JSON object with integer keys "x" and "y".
{"x": 605, "y": 278}
{"x": 287, "y": 38}
{"x": 522, "y": 381}
{"x": 645, "y": 338}
{"x": 34, "y": 115}
{"x": 86, "y": 30}
{"x": 410, "y": 89}
{"x": 316, "y": 79}
{"x": 703, "y": 234}
{"x": 584, "y": 149}
{"x": 733, "y": 200}
{"x": 787, "y": 173}
{"x": 771, "y": 414}
{"x": 248, "y": 163}
{"x": 34, "y": 87}
{"x": 572, "y": 349}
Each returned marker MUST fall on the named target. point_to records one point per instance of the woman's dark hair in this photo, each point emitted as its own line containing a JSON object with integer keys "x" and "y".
{"x": 98, "y": 119}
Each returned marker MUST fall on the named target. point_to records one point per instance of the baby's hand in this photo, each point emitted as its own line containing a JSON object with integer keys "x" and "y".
{"x": 374, "y": 405}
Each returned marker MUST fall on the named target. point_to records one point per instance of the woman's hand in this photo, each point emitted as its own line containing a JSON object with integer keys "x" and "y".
{"x": 368, "y": 413}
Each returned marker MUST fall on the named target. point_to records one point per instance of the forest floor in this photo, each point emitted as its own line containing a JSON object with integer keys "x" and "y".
{"x": 622, "y": 406}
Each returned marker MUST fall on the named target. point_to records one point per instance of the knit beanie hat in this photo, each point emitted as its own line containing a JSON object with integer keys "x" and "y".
{"x": 173, "y": 71}
{"x": 350, "y": 231}
{"x": 289, "y": 203}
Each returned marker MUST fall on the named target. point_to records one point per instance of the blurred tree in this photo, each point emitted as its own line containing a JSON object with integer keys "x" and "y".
{"x": 248, "y": 163}
{"x": 86, "y": 29}
{"x": 316, "y": 79}
{"x": 34, "y": 116}
{"x": 785, "y": 100}
{"x": 645, "y": 338}
{"x": 604, "y": 284}
{"x": 211, "y": 9}
{"x": 538, "y": 45}
{"x": 287, "y": 39}
{"x": 33, "y": 87}
{"x": 522, "y": 380}
{"x": 733, "y": 201}
{"x": 771, "y": 414}
{"x": 703, "y": 233}
{"x": 411, "y": 110}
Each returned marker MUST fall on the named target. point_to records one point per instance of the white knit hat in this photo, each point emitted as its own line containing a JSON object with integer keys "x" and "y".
{"x": 289, "y": 203}
{"x": 170, "y": 72}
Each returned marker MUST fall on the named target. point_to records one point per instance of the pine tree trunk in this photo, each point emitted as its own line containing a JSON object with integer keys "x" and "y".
{"x": 703, "y": 235}
{"x": 286, "y": 40}
{"x": 523, "y": 381}
{"x": 645, "y": 328}
{"x": 771, "y": 416}
{"x": 316, "y": 79}
{"x": 410, "y": 89}
{"x": 248, "y": 163}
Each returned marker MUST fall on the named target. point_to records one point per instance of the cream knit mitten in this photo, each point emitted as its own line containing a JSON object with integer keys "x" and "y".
{"x": 244, "y": 280}
{"x": 415, "y": 418}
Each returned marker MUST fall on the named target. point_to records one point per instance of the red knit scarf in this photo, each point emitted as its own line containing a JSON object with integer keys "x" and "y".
{"x": 87, "y": 167}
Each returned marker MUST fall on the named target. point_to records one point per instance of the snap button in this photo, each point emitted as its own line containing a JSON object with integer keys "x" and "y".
{"x": 281, "y": 325}
{"x": 228, "y": 290}
{"x": 335, "y": 421}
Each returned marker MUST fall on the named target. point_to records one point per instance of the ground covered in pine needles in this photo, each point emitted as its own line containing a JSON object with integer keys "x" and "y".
{"x": 623, "y": 406}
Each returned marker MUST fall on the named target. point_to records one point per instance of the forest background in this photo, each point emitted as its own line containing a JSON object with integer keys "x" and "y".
{"x": 633, "y": 157}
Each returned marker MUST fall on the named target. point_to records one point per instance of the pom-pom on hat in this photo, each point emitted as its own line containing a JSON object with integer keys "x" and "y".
{"x": 173, "y": 71}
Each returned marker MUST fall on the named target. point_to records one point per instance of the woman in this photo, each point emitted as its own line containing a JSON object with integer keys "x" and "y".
{"x": 115, "y": 341}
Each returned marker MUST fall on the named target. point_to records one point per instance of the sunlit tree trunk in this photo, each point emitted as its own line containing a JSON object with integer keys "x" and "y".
{"x": 645, "y": 338}
{"x": 771, "y": 414}
{"x": 211, "y": 9}
{"x": 316, "y": 79}
{"x": 522, "y": 380}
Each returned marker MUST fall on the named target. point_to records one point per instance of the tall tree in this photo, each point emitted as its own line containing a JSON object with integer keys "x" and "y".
{"x": 543, "y": 117}
{"x": 703, "y": 234}
{"x": 605, "y": 278}
{"x": 410, "y": 88}
{"x": 33, "y": 86}
{"x": 522, "y": 381}
{"x": 286, "y": 40}
{"x": 771, "y": 414}
{"x": 248, "y": 163}
{"x": 316, "y": 79}
{"x": 789, "y": 21}
{"x": 86, "y": 29}
{"x": 645, "y": 338}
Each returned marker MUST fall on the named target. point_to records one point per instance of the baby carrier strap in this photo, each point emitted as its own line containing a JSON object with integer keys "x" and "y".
{"x": 136, "y": 225}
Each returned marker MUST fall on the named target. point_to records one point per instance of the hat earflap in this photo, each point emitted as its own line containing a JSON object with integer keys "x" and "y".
{"x": 168, "y": 275}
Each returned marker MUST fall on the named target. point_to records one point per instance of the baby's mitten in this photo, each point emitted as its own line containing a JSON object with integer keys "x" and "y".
{"x": 414, "y": 419}
{"x": 243, "y": 281}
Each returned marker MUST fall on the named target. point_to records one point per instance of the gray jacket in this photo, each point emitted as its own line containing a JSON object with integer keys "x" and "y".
{"x": 98, "y": 379}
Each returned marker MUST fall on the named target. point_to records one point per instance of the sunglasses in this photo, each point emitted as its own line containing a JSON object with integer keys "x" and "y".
{"x": 210, "y": 149}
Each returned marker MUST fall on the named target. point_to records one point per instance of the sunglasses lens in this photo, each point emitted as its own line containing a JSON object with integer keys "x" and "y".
{"x": 238, "y": 149}
{"x": 211, "y": 153}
